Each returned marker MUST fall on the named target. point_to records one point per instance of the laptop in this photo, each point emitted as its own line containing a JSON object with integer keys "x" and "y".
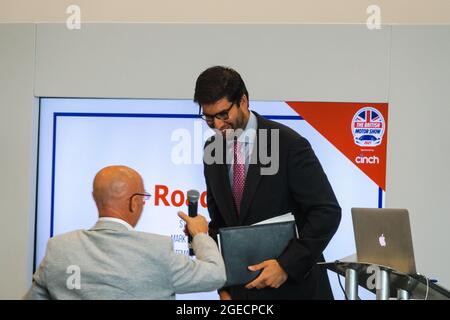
{"x": 383, "y": 236}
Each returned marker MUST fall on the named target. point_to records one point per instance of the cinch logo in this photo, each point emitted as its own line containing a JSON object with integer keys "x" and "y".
{"x": 177, "y": 198}
{"x": 368, "y": 127}
{"x": 367, "y": 160}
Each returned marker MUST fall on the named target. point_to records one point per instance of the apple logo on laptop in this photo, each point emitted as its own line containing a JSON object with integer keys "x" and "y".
{"x": 382, "y": 240}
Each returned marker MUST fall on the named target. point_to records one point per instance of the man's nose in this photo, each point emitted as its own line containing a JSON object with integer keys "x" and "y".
{"x": 218, "y": 123}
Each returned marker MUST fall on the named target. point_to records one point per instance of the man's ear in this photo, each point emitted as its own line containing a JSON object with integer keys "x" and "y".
{"x": 244, "y": 102}
{"x": 133, "y": 205}
{"x": 93, "y": 197}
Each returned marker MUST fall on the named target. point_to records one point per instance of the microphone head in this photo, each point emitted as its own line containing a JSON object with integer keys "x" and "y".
{"x": 193, "y": 195}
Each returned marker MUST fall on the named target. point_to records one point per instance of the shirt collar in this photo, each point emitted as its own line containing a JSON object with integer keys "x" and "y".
{"x": 252, "y": 123}
{"x": 122, "y": 222}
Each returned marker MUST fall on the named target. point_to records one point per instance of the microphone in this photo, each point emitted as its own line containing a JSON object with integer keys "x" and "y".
{"x": 192, "y": 196}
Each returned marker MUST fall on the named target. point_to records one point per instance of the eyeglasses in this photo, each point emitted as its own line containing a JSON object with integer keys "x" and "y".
{"x": 222, "y": 115}
{"x": 145, "y": 195}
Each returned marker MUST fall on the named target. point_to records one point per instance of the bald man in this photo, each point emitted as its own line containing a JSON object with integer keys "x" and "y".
{"x": 113, "y": 261}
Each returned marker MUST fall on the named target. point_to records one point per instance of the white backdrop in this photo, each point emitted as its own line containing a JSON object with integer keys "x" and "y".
{"x": 80, "y": 136}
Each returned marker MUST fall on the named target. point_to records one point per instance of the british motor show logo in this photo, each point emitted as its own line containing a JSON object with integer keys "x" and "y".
{"x": 368, "y": 127}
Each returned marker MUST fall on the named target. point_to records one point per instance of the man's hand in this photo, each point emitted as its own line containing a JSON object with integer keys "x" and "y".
{"x": 194, "y": 225}
{"x": 224, "y": 295}
{"x": 272, "y": 275}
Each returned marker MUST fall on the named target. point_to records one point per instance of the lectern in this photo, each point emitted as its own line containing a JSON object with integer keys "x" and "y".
{"x": 384, "y": 281}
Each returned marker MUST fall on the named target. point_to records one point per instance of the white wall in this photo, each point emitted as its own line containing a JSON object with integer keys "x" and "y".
{"x": 18, "y": 157}
{"x": 278, "y": 62}
{"x": 288, "y": 62}
{"x": 418, "y": 173}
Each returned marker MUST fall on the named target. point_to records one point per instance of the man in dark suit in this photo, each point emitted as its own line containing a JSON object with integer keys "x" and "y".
{"x": 240, "y": 193}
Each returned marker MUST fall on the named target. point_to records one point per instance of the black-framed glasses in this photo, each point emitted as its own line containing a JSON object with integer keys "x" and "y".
{"x": 222, "y": 115}
{"x": 146, "y": 196}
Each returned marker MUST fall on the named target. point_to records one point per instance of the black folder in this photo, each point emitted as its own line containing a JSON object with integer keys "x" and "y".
{"x": 248, "y": 245}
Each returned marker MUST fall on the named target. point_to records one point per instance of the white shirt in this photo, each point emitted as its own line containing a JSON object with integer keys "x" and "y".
{"x": 247, "y": 140}
{"x": 122, "y": 222}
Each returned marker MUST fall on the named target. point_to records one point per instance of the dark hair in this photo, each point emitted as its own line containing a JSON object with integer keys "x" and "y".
{"x": 219, "y": 82}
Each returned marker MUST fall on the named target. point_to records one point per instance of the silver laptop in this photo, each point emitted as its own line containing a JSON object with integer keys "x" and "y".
{"x": 383, "y": 236}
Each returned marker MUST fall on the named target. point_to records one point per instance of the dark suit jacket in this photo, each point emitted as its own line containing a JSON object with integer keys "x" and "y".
{"x": 300, "y": 186}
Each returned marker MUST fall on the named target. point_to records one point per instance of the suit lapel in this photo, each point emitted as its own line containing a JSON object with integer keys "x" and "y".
{"x": 251, "y": 184}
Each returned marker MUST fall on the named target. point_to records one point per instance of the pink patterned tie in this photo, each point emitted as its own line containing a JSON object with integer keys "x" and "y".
{"x": 238, "y": 175}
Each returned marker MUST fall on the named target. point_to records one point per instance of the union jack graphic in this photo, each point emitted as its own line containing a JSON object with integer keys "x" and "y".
{"x": 368, "y": 119}
{"x": 368, "y": 127}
